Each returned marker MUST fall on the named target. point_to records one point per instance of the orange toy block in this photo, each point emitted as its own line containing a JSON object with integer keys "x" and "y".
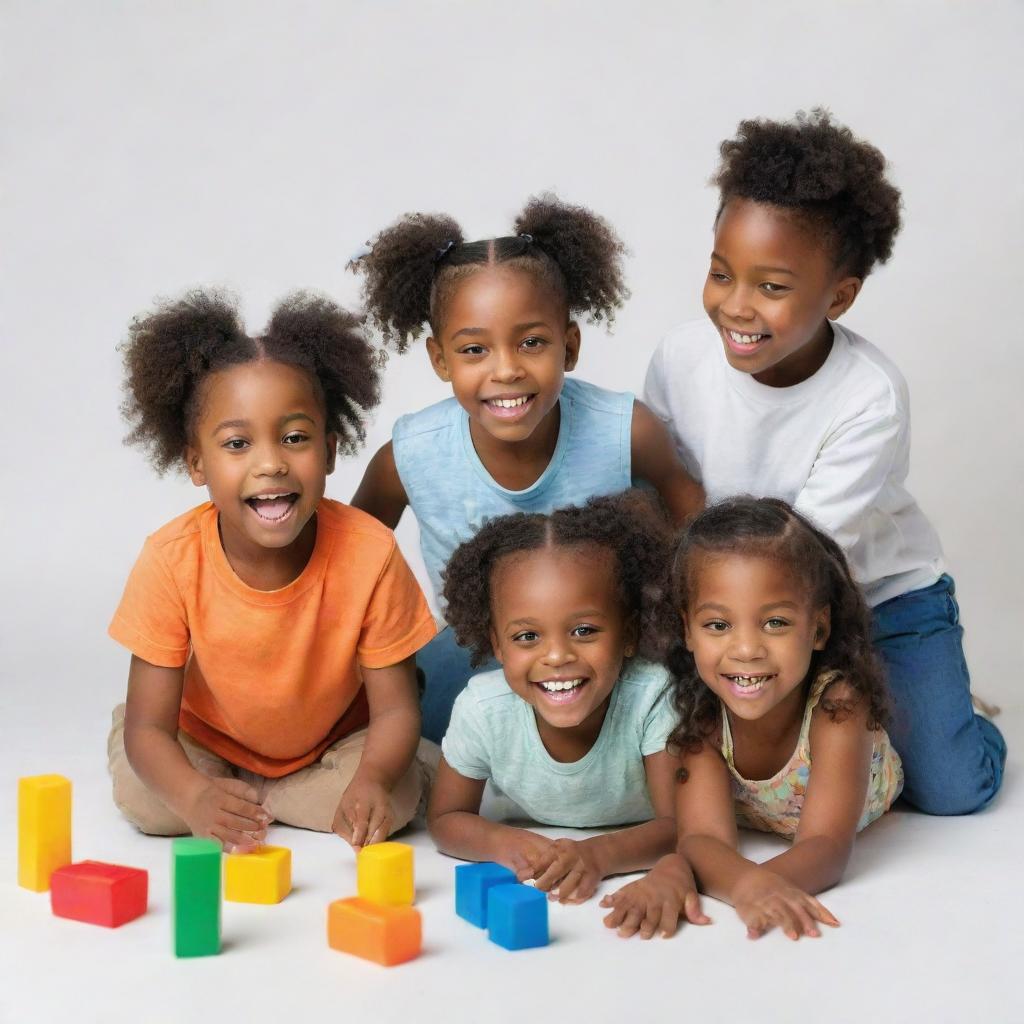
{"x": 385, "y": 935}
{"x": 44, "y": 829}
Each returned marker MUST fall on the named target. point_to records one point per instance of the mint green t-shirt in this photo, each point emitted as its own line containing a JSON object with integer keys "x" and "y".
{"x": 493, "y": 735}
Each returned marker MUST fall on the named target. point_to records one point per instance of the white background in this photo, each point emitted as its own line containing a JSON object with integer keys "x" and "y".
{"x": 152, "y": 146}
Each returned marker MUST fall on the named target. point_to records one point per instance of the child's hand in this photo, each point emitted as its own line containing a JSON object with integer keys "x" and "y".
{"x": 571, "y": 872}
{"x": 226, "y": 809}
{"x": 525, "y": 852}
{"x": 656, "y": 901}
{"x": 764, "y": 899}
{"x": 365, "y": 813}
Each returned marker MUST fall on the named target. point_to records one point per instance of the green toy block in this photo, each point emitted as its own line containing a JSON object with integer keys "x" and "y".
{"x": 195, "y": 879}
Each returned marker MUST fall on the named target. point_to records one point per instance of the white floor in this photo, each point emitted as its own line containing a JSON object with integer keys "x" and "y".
{"x": 932, "y": 914}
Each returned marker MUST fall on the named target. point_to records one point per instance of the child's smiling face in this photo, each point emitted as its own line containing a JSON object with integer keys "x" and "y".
{"x": 261, "y": 447}
{"x": 558, "y": 629}
{"x": 505, "y": 345}
{"x": 751, "y": 628}
{"x": 770, "y": 291}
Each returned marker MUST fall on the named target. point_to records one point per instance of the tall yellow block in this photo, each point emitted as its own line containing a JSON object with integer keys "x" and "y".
{"x": 261, "y": 877}
{"x": 44, "y": 829}
{"x": 384, "y": 874}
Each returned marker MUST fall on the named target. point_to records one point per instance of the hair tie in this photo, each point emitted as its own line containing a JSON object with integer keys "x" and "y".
{"x": 527, "y": 238}
{"x": 444, "y": 250}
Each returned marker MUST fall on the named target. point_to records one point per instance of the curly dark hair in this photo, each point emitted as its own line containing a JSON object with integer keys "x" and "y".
{"x": 769, "y": 528}
{"x": 171, "y": 350}
{"x": 631, "y": 526}
{"x": 820, "y": 171}
{"x": 413, "y": 266}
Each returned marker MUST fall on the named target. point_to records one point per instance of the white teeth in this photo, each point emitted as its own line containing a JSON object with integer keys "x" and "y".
{"x": 270, "y": 497}
{"x": 750, "y": 682}
{"x": 745, "y": 339}
{"x": 510, "y": 403}
{"x": 555, "y": 685}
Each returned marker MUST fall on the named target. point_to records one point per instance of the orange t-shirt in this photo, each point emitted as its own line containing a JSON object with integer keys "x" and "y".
{"x": 272, "y": 677}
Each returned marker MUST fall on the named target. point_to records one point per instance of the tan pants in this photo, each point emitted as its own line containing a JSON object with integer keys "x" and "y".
{"x": 307, "y": 798}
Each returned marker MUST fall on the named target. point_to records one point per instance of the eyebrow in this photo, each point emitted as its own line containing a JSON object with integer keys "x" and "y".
{"x": 585, "y": 613}
{"x": 760, "y": 267}
{"x": 242, "y": 424}
{"x": 477, "y": 331}
{"x": 711, "y": 606}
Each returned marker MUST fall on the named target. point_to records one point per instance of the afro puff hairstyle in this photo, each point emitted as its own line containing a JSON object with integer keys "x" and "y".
{"x": 630, "y": 526}
{"x": 825, "y": 175}
{"x": 413, "y": 266}
{"x": 171, "y": 350}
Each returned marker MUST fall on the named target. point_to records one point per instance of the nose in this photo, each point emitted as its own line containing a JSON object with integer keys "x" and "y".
{"x": 269, "y": 461}
{"x": 747, "y": 645}
{"x": 738, "y": 303}
{"x": 508, "y": 367}
{"x": 559, "y": 652}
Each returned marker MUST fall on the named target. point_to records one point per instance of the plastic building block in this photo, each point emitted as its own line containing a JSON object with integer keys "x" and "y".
{"x": 384, "y": 874}
{"x": 472, "y": 882}
{"x": 385, "y": 935}
{"x": 98, "y": 893}
{"x": 44, "y": 829}
{"x": 261, "y": 877}
{"x": 517, "y": 916}
{"x": 195, "y": 877}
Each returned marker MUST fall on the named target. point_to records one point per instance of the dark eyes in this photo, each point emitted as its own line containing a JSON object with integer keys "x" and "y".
{"x": 720, "y": 625}
{"x": 237, "y": 444}
{"x": 580, "y": 632}
{"x": 768, "y": 287}
{"x": 526, "y": 636}
{"x": 530, "y": 344}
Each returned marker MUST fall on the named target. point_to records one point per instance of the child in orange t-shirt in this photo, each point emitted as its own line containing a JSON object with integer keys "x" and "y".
{"x": 272, "y": 630}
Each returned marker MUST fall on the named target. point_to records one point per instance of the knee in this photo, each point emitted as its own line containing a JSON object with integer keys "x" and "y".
{"x": 144, "y": 809}
{"x": 962, "y": 786}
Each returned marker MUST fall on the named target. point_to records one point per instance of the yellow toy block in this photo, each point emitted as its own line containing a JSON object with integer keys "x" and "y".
{"x": 384, "y": 874}
{"x": 44, "y": 829}
{"x": 261, "y": 877}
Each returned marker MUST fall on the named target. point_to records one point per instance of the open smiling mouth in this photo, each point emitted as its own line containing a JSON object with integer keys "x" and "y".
{"x": 749, "y": 685}
{"x": 562, "y": 691}
{"x": 273, "y": 508}
{"x": 742, "y": 342}
{"x": 509, "y": 408}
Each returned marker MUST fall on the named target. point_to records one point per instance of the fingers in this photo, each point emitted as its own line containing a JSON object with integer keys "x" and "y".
{"x": 570, "y": 886}
{"x": 246, "y": 811}
{"x": 821, "y": 913}
{"x": 234, "y": 841}
{"x": 631, "y": 922}
{"x": 379, "y": 827}
{"x": 238, "y": 788}
{"x": 546, "y": 868}
{"x": 669, "y": 923}
{"x": 692, "y": 910}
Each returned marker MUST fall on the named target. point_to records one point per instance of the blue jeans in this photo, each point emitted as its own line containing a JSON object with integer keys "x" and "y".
{"x": 952, "y": 758}
{"x": 447, "y": 670}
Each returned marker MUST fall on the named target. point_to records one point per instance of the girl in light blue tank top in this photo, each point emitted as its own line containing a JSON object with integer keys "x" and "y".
{"x": 516, "y": 435}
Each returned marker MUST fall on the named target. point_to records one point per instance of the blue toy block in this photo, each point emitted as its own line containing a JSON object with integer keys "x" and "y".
{"x": 472, "y": 881}
{"x": 517, "y": 916}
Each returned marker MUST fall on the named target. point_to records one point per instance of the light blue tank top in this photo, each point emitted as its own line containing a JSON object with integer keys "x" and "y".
{"x": 452, "y": 495}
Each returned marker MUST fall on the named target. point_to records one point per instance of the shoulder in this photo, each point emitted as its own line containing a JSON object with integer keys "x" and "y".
{"x": 869, "y": 373}
{"x": 642, "y": 685}
{"x": 439, "y": 416}
{"x": 181, "y": 533}
{"x": 485, "y": 698}
{"x": 688, "y": 345}
{"x": 583, "y": 394}
{"x": 351, "y": 526}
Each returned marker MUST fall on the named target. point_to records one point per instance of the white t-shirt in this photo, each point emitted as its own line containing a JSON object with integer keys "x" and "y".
{"x": 493, "y": 735}
{"x": 835, "y": 446}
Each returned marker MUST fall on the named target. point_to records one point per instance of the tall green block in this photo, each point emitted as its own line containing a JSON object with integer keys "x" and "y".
{"x": 195, "y": 879}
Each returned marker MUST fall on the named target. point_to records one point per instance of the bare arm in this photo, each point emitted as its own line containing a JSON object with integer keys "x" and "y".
{"x": 380, "y": 493}
{"x": 655, "y": 460}
{"x": 223, "y": 809}
{"x": 457, "y": 828}
{"x": 364, "y": 813}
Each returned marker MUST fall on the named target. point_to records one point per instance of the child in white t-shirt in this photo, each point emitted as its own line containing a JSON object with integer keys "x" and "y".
{"x": 572, "y": 728}
{"x": 770, "y": 397}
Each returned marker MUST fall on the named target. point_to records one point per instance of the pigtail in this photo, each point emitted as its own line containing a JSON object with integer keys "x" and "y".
{"x": 166, "y": 354}
{"x": 398, "y": 273}
{"x": 586, "y": 250}
{"x": 315, "y": 333}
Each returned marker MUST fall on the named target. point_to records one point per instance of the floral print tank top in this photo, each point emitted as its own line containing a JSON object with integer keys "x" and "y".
{"x": 774, "y": 805}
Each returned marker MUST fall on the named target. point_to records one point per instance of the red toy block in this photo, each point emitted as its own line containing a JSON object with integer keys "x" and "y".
{"x": 98, "y": 893}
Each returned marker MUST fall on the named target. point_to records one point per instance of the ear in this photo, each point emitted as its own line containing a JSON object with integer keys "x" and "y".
{"x": 437, "y": 360}
{"x": 823, "y": 628}
{"x": 572, "y": 346}
{"x": 496, "y": 648}
{"x": 686, "y": 632}
{"x": 332, "y": 452}
{"x": 194, "y": 464}
{"x": 842, "y": 297}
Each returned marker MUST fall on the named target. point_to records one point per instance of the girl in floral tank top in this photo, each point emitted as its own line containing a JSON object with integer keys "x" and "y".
{"x": 777, "y": 677}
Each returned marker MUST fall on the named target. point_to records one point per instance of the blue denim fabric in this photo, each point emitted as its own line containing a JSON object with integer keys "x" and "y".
{"x": 952, "y": 758}
{"x": 447, "y": 670}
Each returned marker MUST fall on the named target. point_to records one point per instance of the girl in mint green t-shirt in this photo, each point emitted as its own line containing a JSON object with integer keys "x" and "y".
{"x": 572, "y": 728}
